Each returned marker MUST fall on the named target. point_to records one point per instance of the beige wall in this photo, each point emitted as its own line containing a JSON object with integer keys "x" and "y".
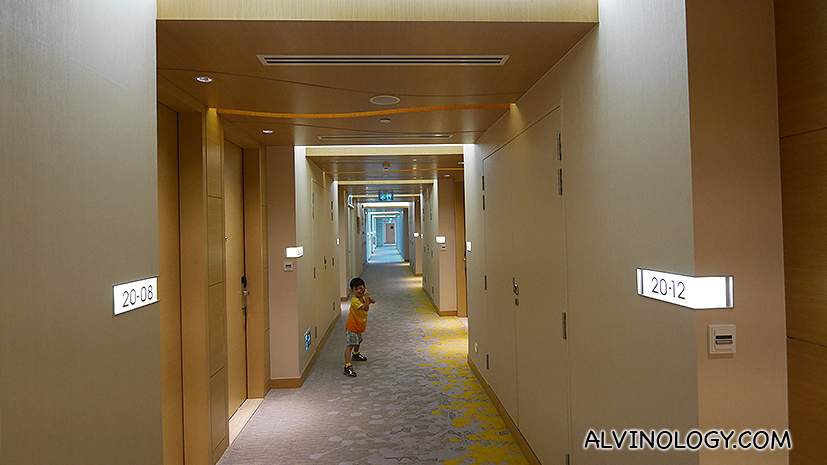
{"x": 318, "y": 294}
{"x": 78, "y": 214}
{"x": 281, "y": 211}
{"x": 801, "y": 50}
{"x": 343, "y": 217}
{"x": 430, "y": 249}
{"x": 736, "y": 198}
{"x": 637, "y": 185}
{"x": 302, "y": 212}
{"x": 475, "y": 233}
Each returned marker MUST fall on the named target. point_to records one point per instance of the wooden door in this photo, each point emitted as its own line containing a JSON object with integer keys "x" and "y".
{"x": 236, "y": 311}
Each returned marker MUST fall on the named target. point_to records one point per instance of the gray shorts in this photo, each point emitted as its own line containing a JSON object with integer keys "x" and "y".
{"x": 353, "y": 338}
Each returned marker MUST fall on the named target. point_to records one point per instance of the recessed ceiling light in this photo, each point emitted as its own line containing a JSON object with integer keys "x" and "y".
{"x": 203, "y": 79}
{"x": 385, "y": 120}
{"x": 267, "y": 131}
{"x": 447, "y": 175}
{"x": 384, "y": 100}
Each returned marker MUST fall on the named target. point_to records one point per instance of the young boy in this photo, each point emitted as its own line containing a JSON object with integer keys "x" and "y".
{"x": 356, "y": 323}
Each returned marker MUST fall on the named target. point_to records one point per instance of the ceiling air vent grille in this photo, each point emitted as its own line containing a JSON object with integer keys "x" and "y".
{"x": 383, "y": 60}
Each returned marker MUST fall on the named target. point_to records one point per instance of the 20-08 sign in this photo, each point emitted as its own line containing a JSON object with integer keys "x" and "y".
{"x": 688, "y": 291}
{"x": 136, "y": 294}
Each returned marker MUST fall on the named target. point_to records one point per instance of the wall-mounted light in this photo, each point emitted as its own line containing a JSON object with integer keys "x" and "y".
{"x": 416, "y": 235}
{"x": 440, "y": 239}
{"x": 293, "y": 252}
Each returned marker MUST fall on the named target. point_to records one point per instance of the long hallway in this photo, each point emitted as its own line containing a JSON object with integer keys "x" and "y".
{"x": 415, "y": 400}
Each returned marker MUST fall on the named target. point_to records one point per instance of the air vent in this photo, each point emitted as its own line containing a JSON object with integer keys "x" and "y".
{"x": 386, "y": 136}
{"x": 383, "y": 60}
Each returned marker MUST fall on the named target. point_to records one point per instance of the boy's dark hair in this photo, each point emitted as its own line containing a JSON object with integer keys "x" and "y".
{"x": 356, "y": 282}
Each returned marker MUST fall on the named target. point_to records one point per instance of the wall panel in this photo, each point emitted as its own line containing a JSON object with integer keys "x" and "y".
{"x": 169, "y": 282}
{"x": 801, "y": 48}
{"x": 801, "y": 43}
{"x": 807, "y": 364}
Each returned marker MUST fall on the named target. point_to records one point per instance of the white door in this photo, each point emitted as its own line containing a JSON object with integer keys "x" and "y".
{"x": 390, "y": 234}
{"x": 540, "y": 273}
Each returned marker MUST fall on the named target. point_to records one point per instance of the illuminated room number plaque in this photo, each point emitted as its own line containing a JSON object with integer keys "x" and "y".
{"x": 688, "y": 291}
{"x": 134, "y": 295}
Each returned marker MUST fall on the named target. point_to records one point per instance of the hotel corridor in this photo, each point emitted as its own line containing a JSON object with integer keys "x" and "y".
{"x": 415, "y": 400}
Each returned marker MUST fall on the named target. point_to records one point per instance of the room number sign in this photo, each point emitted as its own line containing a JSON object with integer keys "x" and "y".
{"x": 688, "y": 291}
{"x": 136, "y": 294}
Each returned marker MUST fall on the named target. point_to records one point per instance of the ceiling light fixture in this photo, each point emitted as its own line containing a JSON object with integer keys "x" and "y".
{"x": 267, "y": 131}
{"x": 386, "y": 136}
{"x": 384, "y": 100}
{"x": 203, "y": 79}
{"x": 382, "y": 60}
{"x": 385, "y": 120}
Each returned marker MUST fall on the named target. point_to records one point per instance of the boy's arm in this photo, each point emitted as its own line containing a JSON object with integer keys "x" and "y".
{"x": 368, "y": 300}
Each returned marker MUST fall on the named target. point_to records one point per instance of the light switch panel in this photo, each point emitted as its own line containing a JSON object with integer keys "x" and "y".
{"x": 721, "y": 339}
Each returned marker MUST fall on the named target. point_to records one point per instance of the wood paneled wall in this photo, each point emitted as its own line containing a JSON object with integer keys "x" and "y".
{"x": 379, "y": 10}
{"x": 801, "y": 48}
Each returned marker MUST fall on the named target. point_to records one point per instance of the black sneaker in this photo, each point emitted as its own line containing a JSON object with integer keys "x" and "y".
{"x": 359, "y": 358}
{"x": 350, "y": 371}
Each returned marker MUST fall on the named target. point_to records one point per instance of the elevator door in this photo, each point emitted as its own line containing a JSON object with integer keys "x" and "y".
{"x": 236, "y": 303}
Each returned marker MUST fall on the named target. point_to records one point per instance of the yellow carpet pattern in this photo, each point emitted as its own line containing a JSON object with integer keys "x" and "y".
{"x": 414, "y": 401}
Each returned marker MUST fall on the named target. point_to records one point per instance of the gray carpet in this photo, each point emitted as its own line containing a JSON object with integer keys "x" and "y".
{"x": 414, "y": 400}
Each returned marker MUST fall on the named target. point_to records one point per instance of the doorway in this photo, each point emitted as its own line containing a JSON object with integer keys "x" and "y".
{"x": 390, "y": 234}
{"x": 235, "y": 277}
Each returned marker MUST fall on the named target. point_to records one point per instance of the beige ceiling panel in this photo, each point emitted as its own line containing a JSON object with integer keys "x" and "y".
{"x": 382, "y": 10}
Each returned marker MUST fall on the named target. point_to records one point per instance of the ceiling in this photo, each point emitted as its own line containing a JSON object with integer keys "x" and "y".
{"x": 298, "y": 104}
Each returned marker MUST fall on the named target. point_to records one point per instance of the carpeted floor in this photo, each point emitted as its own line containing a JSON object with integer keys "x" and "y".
{"x": 415, "y": 400}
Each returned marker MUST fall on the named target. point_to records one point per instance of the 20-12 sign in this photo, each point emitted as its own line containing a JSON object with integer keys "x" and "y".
{"x": 136, "y": 294}
{"x": 687, "y": 291}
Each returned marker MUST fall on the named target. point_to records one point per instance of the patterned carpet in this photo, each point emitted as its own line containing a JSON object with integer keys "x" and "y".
{"x": 415, "y": 400}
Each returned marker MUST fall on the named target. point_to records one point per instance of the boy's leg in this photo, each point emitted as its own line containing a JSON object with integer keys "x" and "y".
{"x": 348, "y": 366}
{"x": 348, "y": 351}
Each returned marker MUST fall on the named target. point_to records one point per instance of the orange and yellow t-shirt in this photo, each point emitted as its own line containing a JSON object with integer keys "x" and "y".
{"x": 357, "y": 321}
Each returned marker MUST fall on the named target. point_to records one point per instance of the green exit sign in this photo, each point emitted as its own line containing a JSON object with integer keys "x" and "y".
{"x": 386, "y": 197}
